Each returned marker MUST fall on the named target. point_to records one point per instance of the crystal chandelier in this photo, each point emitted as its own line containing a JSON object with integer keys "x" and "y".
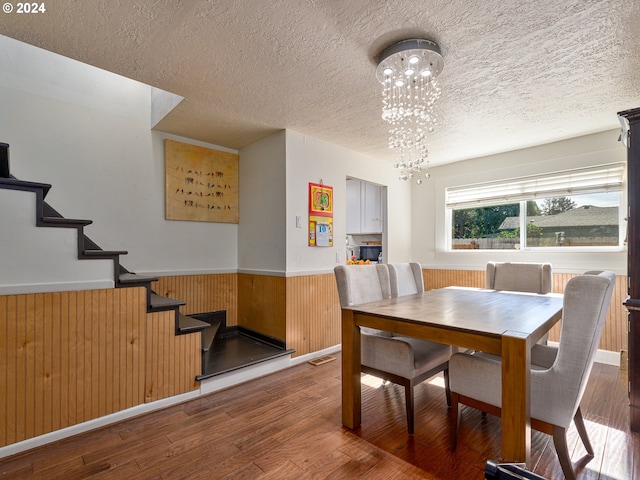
{"x": 408, "y": 71}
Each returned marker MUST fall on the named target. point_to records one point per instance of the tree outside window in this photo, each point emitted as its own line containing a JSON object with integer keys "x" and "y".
{"x": 577, "y": 221}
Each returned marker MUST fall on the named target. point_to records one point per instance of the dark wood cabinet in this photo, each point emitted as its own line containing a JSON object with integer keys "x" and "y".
{"x": 630, "y": 120}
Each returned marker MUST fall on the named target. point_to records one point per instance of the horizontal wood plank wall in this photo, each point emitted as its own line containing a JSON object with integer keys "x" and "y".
{"x": 70, "y": 357}
{"x": 614, "y": 336}
{"x": 262, "y": 304}
{"x": 313, "y": 313}
{"x": 172, "y": 362}
{"x": 203, "y": 293}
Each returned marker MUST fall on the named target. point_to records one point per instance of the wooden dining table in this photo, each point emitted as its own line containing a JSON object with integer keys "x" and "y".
{"x": 499, "y": 322}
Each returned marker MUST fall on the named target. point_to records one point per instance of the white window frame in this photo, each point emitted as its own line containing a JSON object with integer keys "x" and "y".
{"x": 596, "y": 179}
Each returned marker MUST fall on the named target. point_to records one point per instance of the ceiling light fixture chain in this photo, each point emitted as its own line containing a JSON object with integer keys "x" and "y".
{"x": 408, "y": 71}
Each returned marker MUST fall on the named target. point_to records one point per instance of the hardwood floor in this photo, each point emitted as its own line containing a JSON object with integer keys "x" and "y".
{"x": 288, "y": 425}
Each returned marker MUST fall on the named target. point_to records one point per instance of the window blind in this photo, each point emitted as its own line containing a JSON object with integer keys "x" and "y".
{"x": 603, "y": 178}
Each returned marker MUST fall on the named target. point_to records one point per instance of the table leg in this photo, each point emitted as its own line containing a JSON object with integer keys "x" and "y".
{"x": 516, "y": 421}
{"x": 351, "y": 387}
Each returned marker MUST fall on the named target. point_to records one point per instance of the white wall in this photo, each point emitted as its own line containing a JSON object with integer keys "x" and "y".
{"x": 87, "y": 132}
{"x": 429, "y": 219}
{"x": 25, "y": 266}
{"x": 262, "y": 238}
{"x": 313, "y": 160}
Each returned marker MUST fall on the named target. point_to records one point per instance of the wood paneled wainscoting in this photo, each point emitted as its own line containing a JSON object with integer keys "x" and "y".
{"x": 171, "y": 362}
{"x": 203, "y": 293}
{"x": 302, "y": 310}
{"x": 313, "y": 313}
{"x": 261, "y": 304}
{"x": 614, "y": 336}
{"x": 70, "y": 357}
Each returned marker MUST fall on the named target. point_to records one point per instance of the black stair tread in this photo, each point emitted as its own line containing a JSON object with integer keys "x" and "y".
{"x": 103, "y": 253}
{"x": 23, "y": 185}
{"x": 71, "y": 222}
{"x": 159, "y": 303}
{"x": 188, "y": 324}
{"x": 133, "y": 278}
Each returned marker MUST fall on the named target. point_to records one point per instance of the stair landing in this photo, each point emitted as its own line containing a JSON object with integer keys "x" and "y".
{"x": 234, "y": 350}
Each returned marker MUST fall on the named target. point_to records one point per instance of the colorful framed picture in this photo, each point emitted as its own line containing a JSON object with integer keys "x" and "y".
{"x": 320, "y": 215}
{"x": 320, "y": 200}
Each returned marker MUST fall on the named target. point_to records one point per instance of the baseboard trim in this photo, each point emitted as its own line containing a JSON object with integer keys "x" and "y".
{"x": 41, "y": 440}
{"x": 236, "y": 377}
{"x": 226, "y": 380}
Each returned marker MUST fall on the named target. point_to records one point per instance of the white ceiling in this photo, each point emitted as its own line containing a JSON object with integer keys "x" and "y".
{"x": 517, "y": 72}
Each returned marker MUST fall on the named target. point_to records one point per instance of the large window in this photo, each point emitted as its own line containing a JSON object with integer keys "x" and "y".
{"x": 575, "y": 208}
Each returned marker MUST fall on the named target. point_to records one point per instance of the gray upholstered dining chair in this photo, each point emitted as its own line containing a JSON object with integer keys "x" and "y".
{"x": 558, "y": 374}
{"x": 520, "y": 277}
{"x": 405, "y": 278}
{"x": 402, "y": 360}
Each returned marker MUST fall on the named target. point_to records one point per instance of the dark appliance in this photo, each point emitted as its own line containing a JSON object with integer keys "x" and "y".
{"x": 370, "y": 252}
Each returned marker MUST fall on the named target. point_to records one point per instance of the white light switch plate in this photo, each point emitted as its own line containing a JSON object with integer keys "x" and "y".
{"x": 298, "y": 221}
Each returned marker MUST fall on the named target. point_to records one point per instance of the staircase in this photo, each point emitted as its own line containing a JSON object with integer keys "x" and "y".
{"x": 223, "y": 349}
{"x": 47, "y": 216}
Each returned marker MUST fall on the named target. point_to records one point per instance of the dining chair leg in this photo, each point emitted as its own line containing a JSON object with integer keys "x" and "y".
{"x": 560, "y": 442}
{"x": 582, "y": 431}
{"x": 454, "y": 417}
{"x": 408, "y": 398}
{"x": 447, "y": 389}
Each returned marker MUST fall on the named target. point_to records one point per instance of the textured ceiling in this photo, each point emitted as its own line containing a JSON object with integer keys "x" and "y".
{"x": 517, "y": 73}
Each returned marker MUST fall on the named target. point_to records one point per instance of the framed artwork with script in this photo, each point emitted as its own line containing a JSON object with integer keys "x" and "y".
{"x": 201, "y": 184}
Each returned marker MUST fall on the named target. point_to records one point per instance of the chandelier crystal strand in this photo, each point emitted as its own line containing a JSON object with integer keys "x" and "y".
{"x": 408, "y": 72}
